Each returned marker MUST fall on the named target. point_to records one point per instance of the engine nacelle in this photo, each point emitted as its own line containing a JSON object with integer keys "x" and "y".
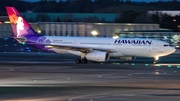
{"x": 128, "y": 58}
{"x": 98, "y": 56}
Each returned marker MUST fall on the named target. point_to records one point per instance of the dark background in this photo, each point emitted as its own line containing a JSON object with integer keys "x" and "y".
{"x": 129, "y": 12}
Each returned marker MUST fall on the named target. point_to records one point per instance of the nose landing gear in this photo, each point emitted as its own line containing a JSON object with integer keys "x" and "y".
{"x": 156, "y": 59}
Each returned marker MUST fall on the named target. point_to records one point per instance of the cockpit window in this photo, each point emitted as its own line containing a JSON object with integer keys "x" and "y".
{"x": 166, "y": 45}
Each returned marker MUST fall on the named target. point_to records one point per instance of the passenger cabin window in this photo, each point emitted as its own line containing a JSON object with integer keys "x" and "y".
{"x": 166, "y": 45}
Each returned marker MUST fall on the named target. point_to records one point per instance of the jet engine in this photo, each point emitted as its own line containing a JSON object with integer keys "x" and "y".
{"x": 128, "y": 58}
{"x": 98, "y": 56}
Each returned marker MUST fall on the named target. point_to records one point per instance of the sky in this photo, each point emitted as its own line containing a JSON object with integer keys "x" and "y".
{"x": 172, "y": 13}
{"x": 124, "y": 0}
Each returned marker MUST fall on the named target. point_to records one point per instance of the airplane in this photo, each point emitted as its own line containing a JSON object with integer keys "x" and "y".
{"x": 97, "y": 49}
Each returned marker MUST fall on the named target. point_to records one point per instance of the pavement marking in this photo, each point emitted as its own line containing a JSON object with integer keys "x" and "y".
{"x": 167, "y": 64}
{"x": 97, "y": 96}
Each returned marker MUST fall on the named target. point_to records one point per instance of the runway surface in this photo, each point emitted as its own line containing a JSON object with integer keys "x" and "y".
{"x": 33, "y": 78}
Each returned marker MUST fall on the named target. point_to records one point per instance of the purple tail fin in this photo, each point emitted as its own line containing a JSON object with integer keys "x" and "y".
{"x": 20, "y": 27}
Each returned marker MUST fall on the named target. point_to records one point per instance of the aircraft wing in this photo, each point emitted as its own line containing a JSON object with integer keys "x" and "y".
{"x": 81, "y": 49}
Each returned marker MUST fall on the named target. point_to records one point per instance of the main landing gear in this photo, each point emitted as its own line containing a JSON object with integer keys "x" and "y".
{"x": 84, "y": 61}
{"x": 156, "y": 59}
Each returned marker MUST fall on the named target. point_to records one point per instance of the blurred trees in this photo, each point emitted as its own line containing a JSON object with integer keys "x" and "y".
{"x": 128, "y": 11}
{"x": 88, "y": 6}
{"x": 127, "y": 17}
{"x": 166, "y": 21}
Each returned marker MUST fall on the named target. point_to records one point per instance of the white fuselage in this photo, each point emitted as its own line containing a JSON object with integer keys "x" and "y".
{"x": 122, "y": 46}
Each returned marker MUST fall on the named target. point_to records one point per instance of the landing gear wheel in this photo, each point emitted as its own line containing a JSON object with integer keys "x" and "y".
{"x": 78, "y": 61}
{"x": 156, "y": 59}
{"x": 84, "y": 61}
{"x": 155, "y": 62}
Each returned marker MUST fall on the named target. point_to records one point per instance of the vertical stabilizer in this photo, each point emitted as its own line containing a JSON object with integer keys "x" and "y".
{"x": 20, "y": 27}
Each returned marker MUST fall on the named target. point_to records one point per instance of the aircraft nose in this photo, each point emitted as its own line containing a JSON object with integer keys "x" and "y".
{"x": 172, "y": 50}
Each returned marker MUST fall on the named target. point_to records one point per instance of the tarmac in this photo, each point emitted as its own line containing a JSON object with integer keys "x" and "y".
{"x": 52, "y": 77}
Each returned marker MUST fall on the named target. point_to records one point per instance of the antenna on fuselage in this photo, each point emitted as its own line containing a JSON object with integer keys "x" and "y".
{"x": 106, "y": 36}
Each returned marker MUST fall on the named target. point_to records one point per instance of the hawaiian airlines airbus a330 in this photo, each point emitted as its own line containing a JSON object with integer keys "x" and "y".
{"x": 88, "y": 48}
